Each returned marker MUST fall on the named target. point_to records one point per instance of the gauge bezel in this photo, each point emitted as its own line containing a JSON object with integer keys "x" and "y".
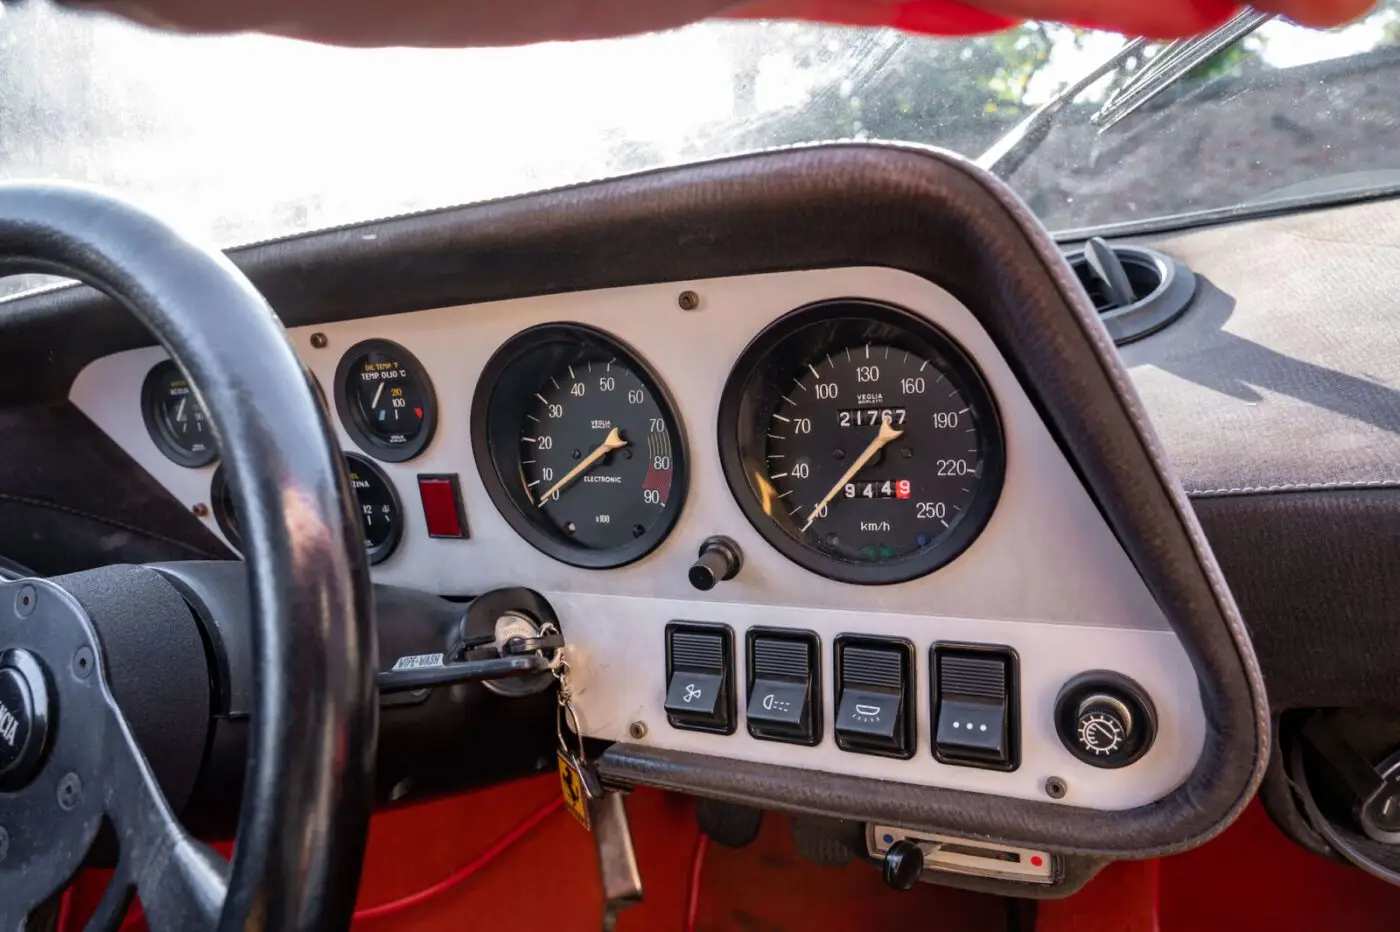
{"x": 798, "y": 334}
{"x": 353, "y": 419}
{"x": 503, "y": 394}
{"x": 156, "y": 425}
{"x": 383, "y": 551}
{"x": 219, "y": 504}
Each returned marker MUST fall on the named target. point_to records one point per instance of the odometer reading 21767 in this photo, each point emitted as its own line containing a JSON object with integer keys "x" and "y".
{"x": 861, "y": 442}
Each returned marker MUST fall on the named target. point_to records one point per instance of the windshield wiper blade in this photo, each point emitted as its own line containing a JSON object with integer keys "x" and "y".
{"x": 1174, "y": 62}
{"x": 1165, "y": 68}
{"x": 1010, "y": 151}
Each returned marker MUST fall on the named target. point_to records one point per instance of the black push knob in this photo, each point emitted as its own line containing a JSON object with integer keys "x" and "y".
{"x": 1105, "y": 719}
{"x": 720, "y": 559}
{"x": 904, "y": 865}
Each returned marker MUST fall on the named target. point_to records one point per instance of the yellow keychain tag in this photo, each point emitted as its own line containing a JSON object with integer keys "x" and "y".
{"x": 571, "y": 786}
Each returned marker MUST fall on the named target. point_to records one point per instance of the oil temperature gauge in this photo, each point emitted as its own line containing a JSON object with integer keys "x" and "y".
{"x": 385, "y": 400}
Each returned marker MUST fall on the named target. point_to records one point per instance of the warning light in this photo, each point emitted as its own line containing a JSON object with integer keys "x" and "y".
{"x": 901, "y": 488}
{"x": 1037, "y": 860}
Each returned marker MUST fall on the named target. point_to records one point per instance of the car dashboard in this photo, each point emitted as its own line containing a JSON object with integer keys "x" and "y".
{"x": 839, "y": 492}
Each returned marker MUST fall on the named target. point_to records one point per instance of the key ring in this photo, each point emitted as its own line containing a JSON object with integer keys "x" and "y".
{"x": 566, "y": 709}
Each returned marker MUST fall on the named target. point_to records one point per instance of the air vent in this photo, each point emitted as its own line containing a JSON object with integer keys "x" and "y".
{"x": 1136, "y": 291}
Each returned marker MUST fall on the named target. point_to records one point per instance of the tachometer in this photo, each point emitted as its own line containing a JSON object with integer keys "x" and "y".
{"x": 861, "y": 442}
{"x": 579, "y": 446}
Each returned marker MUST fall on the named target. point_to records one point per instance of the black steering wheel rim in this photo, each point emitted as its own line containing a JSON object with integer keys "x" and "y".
{"x": 308, "y": 786}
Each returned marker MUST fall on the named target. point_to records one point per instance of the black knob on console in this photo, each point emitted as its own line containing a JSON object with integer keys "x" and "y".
{"x": 720, "y": 559}
{"x": 904, "y": 865}
{"x": 1105, "y": 719}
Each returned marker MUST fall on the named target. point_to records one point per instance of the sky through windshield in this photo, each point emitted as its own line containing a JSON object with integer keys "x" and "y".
{"x": 243, "y": 138}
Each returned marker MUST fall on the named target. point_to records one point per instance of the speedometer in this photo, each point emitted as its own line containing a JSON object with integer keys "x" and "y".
{"x": 579, "y": 446}
{"x": 861, "y": 442}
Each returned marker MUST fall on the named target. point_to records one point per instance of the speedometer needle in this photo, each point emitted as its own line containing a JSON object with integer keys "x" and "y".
{"x": 614, "y": 441}
{"x": 886, "y": 434}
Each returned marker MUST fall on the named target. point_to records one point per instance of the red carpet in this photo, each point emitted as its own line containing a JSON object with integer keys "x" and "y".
{"x": 1249, "y": 878}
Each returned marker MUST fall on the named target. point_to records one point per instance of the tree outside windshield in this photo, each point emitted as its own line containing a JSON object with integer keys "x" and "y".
{"x": 244, "y": 138}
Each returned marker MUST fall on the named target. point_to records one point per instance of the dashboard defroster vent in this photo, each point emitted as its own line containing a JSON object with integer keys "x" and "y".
{"x": 1136, "y": 291}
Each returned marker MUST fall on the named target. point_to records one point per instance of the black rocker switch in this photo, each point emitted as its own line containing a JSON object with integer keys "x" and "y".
{"x": 700, "y": 677}
{"x": 974, "y": 706}
{"x": 785, "y": 693}
{"x": 875, "y": 696}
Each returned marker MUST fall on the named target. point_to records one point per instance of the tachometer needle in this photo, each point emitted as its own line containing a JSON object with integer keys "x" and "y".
{"x": 886, "y": 434}
{"x": 614, "y": 441}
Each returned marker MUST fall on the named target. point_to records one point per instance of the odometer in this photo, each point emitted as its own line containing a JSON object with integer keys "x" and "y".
{"x": 579, "y": 446}
{"x": 861, "y": 441}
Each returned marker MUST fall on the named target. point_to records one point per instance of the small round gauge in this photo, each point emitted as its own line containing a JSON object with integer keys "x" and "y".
{"x": 378, "y": 505}
{"x": 375, "y": 497}
{"x": 174, "y": 417}
{"x": 579, "y": 446}
{"x": 385, "y": 400}
{"x": 861, "y": 442}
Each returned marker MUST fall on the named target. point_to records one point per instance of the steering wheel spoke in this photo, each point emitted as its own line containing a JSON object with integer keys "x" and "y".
{"x": 182, "y": 882}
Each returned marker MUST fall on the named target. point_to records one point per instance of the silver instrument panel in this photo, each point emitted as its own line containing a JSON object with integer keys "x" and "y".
{"x": 1046, "y": 577}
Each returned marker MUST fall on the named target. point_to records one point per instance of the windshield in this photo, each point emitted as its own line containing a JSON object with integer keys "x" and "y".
{"x": 243, "y": 138}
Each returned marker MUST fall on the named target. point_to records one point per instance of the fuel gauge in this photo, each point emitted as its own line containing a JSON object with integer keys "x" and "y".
{"x": 376, "y": 503}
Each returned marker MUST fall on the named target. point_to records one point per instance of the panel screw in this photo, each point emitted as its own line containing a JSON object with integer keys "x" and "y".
{"x": 25, "y": 600}
{"x": 319, "y": 341}
{"x": 70, "y": 791}
{"x": 4, "y": 843}
{"x": 638, "y": 730}
{"x": 200, "y": 510}
{"x": 83, "y": 662}
{"x": 688, "y": 300}
{"x": 1055, "y": 788}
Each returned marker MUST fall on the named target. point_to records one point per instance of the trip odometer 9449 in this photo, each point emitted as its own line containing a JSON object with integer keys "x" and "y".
{"x": 578, "y": 445}
{"x": 861, "y": 442}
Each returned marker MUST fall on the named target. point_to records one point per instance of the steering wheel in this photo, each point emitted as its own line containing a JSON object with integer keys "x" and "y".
{"x": 67, "y": 756}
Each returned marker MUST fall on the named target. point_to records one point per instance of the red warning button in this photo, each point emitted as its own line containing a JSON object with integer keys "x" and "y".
{"x": 442, "y": 506}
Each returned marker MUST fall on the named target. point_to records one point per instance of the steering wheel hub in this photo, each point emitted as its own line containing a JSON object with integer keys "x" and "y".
{"x": 24, "y": 718}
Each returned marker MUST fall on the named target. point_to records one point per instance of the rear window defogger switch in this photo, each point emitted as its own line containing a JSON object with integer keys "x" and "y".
{"x": 875, "y": 696}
